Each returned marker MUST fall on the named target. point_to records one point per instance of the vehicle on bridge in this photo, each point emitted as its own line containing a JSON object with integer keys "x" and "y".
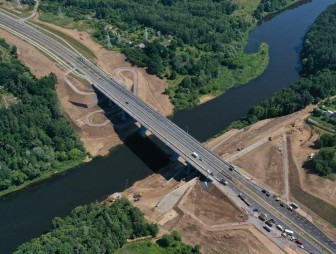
{"x": 194, "y": 154}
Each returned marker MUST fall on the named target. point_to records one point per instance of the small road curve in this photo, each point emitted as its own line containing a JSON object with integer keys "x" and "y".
{"x": 117, "y": 73}
{"x": 37, "y": 2}
{"x": 75, "y": 89}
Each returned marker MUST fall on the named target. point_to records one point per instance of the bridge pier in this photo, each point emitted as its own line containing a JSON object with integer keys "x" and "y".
{"x": 123, "y": 115}
{"x": 111, "y": 104}
{"x": 144, "y": 132}
{"x": 174, "y": 156}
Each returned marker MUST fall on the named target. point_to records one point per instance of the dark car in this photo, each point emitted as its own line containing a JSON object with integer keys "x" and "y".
{"x": 269, "y": 223}
{"x": 268, "y": 194}
{"x": 263, "y": 191}
{"x": 272, "y": 220}
{"x": 262, "y": 217}
{"x": 267, "y": 229}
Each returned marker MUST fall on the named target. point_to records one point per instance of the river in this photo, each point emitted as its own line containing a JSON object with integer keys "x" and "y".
{"x": 28, "y": 213}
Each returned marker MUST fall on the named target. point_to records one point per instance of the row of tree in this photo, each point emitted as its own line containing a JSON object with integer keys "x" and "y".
{"x": 34, "y": 135}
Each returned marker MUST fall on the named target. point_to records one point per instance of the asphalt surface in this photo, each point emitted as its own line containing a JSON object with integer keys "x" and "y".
{"x": 169, "y": 133}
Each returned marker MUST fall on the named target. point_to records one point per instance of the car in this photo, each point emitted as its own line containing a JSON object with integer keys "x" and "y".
{"x": 267, "y": 228}
{"x": 262, "y": 217}
{"x": 300, "y": 246}
{"x": 255, "y": 210}
{"x": 263, "y": 191}
{"x": 269, "y": 223}
{"x": 126, "y": 102}
{"x": 200, "y": 159}
{"x": 195, "y": 155}
{"x": 282, "y": 204}
{"x": 298, "y": 242}
{"x": 232, "y": 167}
{"x": 268, "y": 194}
{"x": 272, "y": 220}
{"x": 280, "y": 227}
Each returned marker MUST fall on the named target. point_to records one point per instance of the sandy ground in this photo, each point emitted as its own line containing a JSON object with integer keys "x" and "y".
{"x": 207, "y": 206}
{"x": 265, "y": 165}
{"x": 205, "y": 217}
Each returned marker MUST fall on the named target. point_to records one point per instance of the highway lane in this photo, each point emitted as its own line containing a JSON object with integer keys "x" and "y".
{"x": 160, "y": 126}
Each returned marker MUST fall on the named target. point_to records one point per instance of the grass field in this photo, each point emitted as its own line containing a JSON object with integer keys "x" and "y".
{"x": 251, "y": 66}
{"x": 85, "y": 51}
{"x": 143, "y": 247}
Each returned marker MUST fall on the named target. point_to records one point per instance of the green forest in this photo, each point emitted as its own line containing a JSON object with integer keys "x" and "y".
{"x": 317, "y": 82}
{"x": 103, "y": 228}
{"x": 196, "y": 45}
{"x": 35, "y": 138}
{"x": 324, "y": 163}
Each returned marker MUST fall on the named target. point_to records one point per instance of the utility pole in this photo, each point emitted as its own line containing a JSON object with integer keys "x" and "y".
{"x": 146, "y": 34}
{"x": 60, "y": 14}
{"x": 19, "y": 4}
{"x": 108, "y": 40}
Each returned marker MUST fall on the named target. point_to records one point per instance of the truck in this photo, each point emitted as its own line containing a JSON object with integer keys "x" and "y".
{"x": 289, "y": 232}
{"x": 194, "y": 154}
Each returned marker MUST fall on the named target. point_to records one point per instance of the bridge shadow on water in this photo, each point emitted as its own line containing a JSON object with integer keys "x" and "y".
{"x": 149, "y": 149}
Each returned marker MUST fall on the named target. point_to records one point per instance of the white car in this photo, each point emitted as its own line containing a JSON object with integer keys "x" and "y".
{"x": 300, "y": 246}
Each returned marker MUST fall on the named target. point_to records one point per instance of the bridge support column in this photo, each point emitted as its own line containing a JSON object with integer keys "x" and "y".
{"x": 111, "y": 104}
{"x": 144, "y": 132}
{"x": 123, "y": 115}
{"x": 174, "y": 156}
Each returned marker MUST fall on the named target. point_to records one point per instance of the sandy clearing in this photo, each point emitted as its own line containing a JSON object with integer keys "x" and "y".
{"x": 265, "y": 165}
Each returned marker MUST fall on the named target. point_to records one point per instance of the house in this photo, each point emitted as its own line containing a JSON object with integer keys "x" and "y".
{"x": 141, "y": 46}
{"x": 329, "y": 113}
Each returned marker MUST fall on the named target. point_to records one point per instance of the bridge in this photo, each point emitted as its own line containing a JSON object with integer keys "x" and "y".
{"x": 183, "y": 144}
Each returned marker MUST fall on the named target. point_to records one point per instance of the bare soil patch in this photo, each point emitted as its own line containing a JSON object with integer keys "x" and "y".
{"x": 208, "y": 207}
{"x": 241, "y": 239}
{"x": 265, "y": 164}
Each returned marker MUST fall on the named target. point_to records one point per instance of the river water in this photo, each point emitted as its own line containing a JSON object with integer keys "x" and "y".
{"x": 28, "y": 213}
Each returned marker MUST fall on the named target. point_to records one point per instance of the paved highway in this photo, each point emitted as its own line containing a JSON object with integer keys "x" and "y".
{"x": 173, "y": 136}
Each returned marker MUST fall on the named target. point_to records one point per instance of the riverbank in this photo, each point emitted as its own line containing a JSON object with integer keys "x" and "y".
{"x": 46, "y": 175}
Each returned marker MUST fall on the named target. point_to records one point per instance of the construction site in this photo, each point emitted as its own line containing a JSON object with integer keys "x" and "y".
{"x": 270, "y": 152}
